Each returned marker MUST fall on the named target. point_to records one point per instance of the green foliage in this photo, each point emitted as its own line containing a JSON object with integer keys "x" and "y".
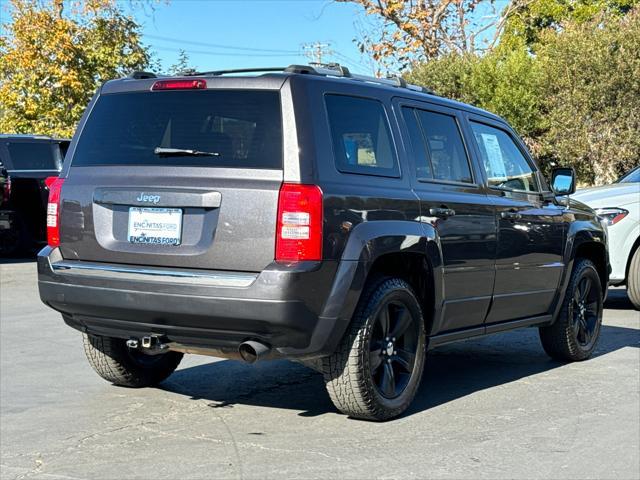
{"x": 449, "y": 76}
{"x": 506, "y": 82}
{"x": 576, "y": 101}
{"x": 533, "y": 17}
{"x": 182, "y": 65}
{"x": 592, "y": 97}
{"x": 55, "y": 54}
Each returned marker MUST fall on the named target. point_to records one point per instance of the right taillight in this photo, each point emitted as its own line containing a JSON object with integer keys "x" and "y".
{"x": 299, "y": 227}
{"x": 54, "y": 184}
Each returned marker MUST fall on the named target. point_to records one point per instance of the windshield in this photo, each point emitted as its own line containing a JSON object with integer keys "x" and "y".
{"x": 242, "y": 127}
{"x": 631, "y": 177}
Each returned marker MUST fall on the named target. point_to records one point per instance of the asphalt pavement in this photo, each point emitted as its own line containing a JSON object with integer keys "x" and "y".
{"x": 497, "y": 407}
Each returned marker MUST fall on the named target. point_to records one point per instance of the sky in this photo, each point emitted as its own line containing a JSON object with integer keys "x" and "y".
{"x": 226, "y": 34}
{"x": 221, "y": 34}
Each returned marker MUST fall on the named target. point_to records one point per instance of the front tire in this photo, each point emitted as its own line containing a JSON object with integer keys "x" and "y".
{"x": 574, "y": 334}
{"x": 633, "y": 280}
{"x": 376, "y": 370}
{"x": 120, "y": 365}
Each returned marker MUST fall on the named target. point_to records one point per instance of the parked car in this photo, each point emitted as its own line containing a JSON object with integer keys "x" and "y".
{"x": 346, "y": 222}
{"x": 618, "y": 205}
{"x": 6, "y": 215}
{"x": 26, "y": 161}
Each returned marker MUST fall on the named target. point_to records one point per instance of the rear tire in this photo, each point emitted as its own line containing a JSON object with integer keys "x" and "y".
{"x": 376, "y": 370}
{"x": 120, "y": 365}
{"x": 633, "y": 280}
{"x": 574, "y": 334}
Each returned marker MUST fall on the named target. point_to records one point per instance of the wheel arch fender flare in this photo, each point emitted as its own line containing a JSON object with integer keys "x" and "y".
{"x": 368, "y": 242}
{"x": 578, "y": 238}
{"x": 589, "y": 239}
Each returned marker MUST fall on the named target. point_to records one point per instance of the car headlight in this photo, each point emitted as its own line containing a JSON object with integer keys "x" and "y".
{"x": 611, "y": 215}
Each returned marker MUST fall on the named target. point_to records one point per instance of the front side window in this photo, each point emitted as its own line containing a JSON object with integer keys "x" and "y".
{"x": 361, "y": 136}
{"x": 506, "y": 166}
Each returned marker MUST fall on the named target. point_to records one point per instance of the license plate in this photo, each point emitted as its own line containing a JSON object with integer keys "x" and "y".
{"x": 158, "y": 226}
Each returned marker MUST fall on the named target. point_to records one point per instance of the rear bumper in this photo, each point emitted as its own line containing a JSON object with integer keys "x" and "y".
{"x": 281, "y": 306}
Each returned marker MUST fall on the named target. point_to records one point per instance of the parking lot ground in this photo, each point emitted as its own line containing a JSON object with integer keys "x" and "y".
{"x": 497, "y": 407}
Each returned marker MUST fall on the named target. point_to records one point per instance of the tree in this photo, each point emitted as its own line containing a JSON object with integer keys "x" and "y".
{"x": 592, "y": 96}
{"x": 502, "y": 81}
{"x": 182, "y": 65}
{"x": 54, "y": 56}
{"x": 406, "y": 32}
{"x": 530, "y": 19}
{"x": 576, "y": 102}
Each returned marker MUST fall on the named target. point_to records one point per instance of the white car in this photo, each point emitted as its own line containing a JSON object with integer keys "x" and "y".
{"x": 618, "y": 205}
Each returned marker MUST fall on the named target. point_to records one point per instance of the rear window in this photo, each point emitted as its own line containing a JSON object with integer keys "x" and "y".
{"x": 33, "y": 156}
{"x": 243, "y": 128}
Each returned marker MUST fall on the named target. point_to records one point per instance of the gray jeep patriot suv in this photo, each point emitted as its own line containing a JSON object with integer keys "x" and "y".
{"x": 346, "y": 222}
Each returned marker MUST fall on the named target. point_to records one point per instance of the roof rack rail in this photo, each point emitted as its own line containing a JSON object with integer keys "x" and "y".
{"x": 303, "y": 69}
{"x": 323, "y": 69}
{"x": 337, "y": 70}
{"x": 216, "y": 73}
{"x": 139, "y": 75}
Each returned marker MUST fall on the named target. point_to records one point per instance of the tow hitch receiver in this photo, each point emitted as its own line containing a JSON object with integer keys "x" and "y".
{"x": 150, "y": 345}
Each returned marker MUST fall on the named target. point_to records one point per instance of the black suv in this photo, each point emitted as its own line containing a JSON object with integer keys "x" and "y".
{"x": 347, "y": 222}
{"x": 25, "y": 162}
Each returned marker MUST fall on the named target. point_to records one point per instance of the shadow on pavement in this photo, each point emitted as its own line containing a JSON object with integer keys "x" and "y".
{"x": 451, "y": 372}
{"x": 617, "y": 299}
{"x": 9, "y": 260}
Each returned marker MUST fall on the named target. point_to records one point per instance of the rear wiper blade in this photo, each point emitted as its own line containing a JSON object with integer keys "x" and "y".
{"x": 182, "y": 152}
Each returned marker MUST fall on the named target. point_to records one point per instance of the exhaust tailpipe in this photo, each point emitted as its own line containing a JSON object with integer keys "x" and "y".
{"x": 252, "y": 351}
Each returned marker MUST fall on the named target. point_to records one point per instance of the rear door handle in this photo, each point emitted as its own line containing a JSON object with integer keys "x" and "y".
{"x": 442, "y": 212}
{"x": 511, "y": 215}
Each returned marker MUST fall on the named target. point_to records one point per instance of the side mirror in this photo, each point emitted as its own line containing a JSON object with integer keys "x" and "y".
{"x": 563, "y": 181}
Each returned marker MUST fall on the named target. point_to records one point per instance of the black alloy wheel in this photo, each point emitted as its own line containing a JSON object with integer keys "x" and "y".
{"x": 574, "y": 334}
{"x": 394, "y": 342}
{"x": 584, "y": 312}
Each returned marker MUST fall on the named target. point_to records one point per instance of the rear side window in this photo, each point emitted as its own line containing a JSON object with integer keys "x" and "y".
{"x": 33, "y": 156}
{"x": 240, "y": 128}
{"x": 444, "y": 157}
{"x": 506, "y": 166}
{"x": 361, "y": 136}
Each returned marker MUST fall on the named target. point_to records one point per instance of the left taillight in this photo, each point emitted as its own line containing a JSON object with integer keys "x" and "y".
{"x": 54, "y": 184}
